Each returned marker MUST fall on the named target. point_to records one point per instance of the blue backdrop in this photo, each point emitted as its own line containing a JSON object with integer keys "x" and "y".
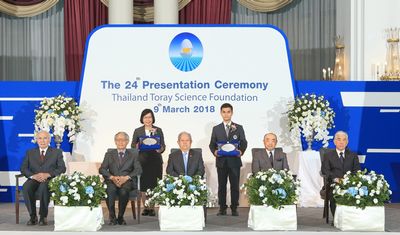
{"x": 368, "y": 127}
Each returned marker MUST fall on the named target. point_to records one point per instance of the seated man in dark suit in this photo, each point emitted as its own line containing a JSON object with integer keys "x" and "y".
{"x": 39, "y": 166}
{"x": 119, "y": 168}
{"x": 337, "y": 162}
{"x": 186, "y": 161}
{"x": 270, "y": 157}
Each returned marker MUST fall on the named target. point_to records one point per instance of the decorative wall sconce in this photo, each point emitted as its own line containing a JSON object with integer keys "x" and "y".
{"x": 338, "y": 71}
{"x": 392, "y": 65}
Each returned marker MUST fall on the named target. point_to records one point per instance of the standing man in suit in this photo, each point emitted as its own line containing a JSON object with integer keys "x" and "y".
{"x": 270, "y": 157}
{"x": 228, "y": 166}
{"x": 186, "y": 161}
{"x": 39, "y": 166}
{"x": 337, "y": 162}
{"x": 119, "y": 169}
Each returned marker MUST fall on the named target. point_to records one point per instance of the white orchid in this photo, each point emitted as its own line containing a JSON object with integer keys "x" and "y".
{"x": 58, "y": 114}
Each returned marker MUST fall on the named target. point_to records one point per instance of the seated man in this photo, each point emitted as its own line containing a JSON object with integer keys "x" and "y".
{"x": 185, "y": 161}
{"x": 337, "y": 162}
{"x": 271, "y": 157}
{"x": 119, "y": 168}
{"x": 39, "y": 166}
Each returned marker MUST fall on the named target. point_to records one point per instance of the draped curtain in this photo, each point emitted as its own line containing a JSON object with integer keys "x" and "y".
{"x": 26, "y": 8}
{"x": 33, "y": 48}
{"x": 206, "y": 12}
{"x": 80, "y": 18}
{"x": 310, "y": 27}
{"x": 264, "y": 5}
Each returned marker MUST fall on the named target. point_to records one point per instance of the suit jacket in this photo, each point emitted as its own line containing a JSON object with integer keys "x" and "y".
{"x": 140, "y": 131}
{"x": 176, "y": 165}
{"x": 219, "y": 135}
{"x": 333, "y": 168}
{"x": 53, "y": 162}
{"x": 130, "y": 165}
{"x": 261, "y": 160}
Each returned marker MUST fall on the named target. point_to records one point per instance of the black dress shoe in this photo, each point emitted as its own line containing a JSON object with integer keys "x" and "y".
{"x": 235, "y": 212}
{"x": 121, "y": 221}
{"x": 222, "y": 211}
{"x": 145, "y": 212}
{"x": 113, "y": 221}
{"x": 152, "y": 212}
{"x": 43, "y": 221}
{"x": 32, "y": 221}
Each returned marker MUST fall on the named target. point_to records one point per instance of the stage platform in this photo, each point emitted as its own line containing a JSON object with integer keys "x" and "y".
{"x": 309, "y": 220}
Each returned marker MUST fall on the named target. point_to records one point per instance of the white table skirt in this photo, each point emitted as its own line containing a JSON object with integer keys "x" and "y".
{"x": 310, "y": 179}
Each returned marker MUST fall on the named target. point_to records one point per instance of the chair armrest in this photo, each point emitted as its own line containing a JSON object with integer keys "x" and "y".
{"x": 138, "y": 182}
{"x": 17, "y": 180}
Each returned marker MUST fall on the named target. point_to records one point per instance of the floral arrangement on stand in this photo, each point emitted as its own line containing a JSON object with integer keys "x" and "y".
{"x": 77, "y": 190}
{"x": 362, "y": 189}
{"x": 272, "y": 188}
{"x": 311, "y": 116}
{"x": 178, "y": 191}
{"x": 56, "y": 115}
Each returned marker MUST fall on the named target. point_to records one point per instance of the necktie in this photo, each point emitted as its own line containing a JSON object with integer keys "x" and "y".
{"x": 271, "y": 159}
{"x": 42, "y": 155}
{"x": 227, "y": 130}
{"x": 121, "y": 156}
{"x": 341, "y": 157}
{"x": 185, "y": 161}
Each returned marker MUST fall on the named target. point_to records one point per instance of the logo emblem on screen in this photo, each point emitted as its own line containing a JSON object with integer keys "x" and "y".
{"x": 186, "y": 52}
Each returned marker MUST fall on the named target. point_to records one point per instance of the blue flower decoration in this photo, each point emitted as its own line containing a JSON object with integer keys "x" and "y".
{"x": 188, "y": 178}
{"x": 89, "y": 190}
{"x": 352, "y": 191}
{"x": 170, "y": 187}
{"x": 192, "y": 187}
{"x": 323, "y": 113}
{"x": 365, "y": 190}
{"x": 50, "y": 111}
{"x": 276, "y": 177}
{"x": 63, "y": 189}
{"x": 281, "y": 192}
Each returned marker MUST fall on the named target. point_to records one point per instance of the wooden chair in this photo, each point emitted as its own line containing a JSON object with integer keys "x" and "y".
{"x": 204, "y": 177}
{"x": 325, "y": 189}
{"x": 18, "y": 196}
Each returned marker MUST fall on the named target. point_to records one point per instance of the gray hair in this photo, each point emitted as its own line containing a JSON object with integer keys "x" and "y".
{"x": 122, "y": 133}
{"x": 270, "y": 133}
{"x": 185, "y": 133}
{"x": 341, "y": 133}
{"x": 42, "y": 131}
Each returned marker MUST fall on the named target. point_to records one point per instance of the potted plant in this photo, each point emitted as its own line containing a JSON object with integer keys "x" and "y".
{"x": 77, "y": 199}
{"x": 273, "y": 196}
{"x": 181, "y": 200}
{"x": 360, "y": 201}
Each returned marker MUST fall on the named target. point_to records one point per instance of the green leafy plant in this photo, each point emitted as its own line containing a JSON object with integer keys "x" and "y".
{"x": 179, "y": 191}
{"x": 272, "y": 188}
{"x": 362, "y": 189}
{"x": 77, "y": 190}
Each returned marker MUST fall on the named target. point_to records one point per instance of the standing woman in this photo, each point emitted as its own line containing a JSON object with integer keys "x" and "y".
{"x": 151, "y": 160}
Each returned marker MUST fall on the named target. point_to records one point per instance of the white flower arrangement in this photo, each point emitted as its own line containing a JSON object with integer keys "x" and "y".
{"x": 311, "y": 116}
{"x": 179, "y": 191}
{"x": 58, "y": 114}
{"x": 77, "y": 190}
{"x": 273, "y": 188}
{"x": 362, "y": 189}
